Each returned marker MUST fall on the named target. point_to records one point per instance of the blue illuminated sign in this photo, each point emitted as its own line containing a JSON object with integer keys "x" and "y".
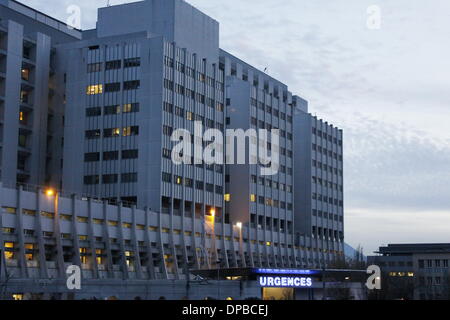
{"x": 284, "y": 271}
{"x": 280, "y": 282}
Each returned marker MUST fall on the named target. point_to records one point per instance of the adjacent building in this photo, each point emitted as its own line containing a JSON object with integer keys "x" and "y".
{"x": 319, "y": 185}
{"x": 415, "y": 271}
{"x": 31, "y": 97}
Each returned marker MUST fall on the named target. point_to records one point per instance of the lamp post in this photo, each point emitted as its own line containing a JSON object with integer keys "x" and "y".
{"x": 241, "y": 244}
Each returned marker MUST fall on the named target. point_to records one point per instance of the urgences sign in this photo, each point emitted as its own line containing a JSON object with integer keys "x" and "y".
{"x": 288, "y": 282}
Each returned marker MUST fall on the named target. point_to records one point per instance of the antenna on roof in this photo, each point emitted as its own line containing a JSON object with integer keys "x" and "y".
{"x": 265, "y": 69}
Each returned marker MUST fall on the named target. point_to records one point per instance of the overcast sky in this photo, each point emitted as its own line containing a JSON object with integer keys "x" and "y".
{"x": 387, "y": 88}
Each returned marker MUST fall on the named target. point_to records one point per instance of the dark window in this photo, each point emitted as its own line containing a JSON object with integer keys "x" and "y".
{"x": 129, "y": 177}
{"x": 131, "y": 85}
{"x": 132, "y": 62}
{"x": 110, "y": 155}
{"x": 110, "y": 178}
{"x": 94, "y": 67}
{"x": 110, "y": 65}
{"x": 91, "y": 179}
{"x": 130, "y": 154}
{"x": 112, "y": 87}
{"x": 112, "y": 110}
{"x": 92, "y": 134}
{"x": 93, "y": 112}
{"x": 166, "y": 177}
{"x": 92, "y": 157}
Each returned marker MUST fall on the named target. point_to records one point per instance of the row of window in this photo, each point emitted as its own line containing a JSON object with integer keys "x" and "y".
{"x": 326, "y": 136}
{"x": 271, "y": 184}
{"x": 111, "y": 110}
{"x": 169, "y": 108}
{"x": 198, "y": 97}
{"x": 437, "y": 263}
{"x": 112, "y": 132}
{"x": 328, "y": 200}
{"x": 189, "y": 183}
{"x": 111, "y": 155}
{"x": 326, "y": 215}
{"x": 326, "y": 152}
{"x": 328, "y": 184}
{"x": 327, "y": 233}
{"x": 111, "y": 178}
{"x": 112, "y": 87}
{"x": 326, "y": 168}
{"x": 181, "y": 67}
{"x": 271, "y": 223}
{"x": 271, "y": 202}
{"x": 261, "y": 106}
{"x": 114, "y": 65}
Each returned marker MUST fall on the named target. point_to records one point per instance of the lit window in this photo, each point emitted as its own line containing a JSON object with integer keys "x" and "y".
{"x": 268, "y": 243}
{"x": 17, "y": 296}
{"x": 25, "y": 74}
{"x": 253, "y": 198}
{"x": 227, "y": 197}
{"x": 9, "y": 250}
{"x": 95, "y": 89}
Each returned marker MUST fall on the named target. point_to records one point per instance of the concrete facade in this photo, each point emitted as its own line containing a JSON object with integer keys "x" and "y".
{"x": 319, "y": 185}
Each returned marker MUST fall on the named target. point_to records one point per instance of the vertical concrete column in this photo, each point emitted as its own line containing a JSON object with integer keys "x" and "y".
{"x": 42, "y": 260}
{"x": 150, "y": 262}
{"x": 40, "y": 110}
{"x": 122, "y": 243}
{"x": 76, "y": 240}
{"x": 22, "y": 261}
{"x": 91, "y": 237}
{"x": 12, "y": 102}
{"x": 136, "y": 246}
{"x": 107, "y": 241}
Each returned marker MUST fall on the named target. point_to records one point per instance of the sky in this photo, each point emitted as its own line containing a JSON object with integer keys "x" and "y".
{"x": 388, "y": 88}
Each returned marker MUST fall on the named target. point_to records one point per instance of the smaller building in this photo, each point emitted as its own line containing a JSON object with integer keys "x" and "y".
{"x": 414, "y": 271}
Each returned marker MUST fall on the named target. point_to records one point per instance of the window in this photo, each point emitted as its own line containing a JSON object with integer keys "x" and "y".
{"x": 25, "y": 73}
{"x": 110, "y": 178}
{"x": 130, "y": 107}
{"x": 130, "y": 154}
{"x": 114, "y": 132}
{"x": 131, "y": 85}
{"x": 92, "y": 134}
{"x": 110, "y": 155}
{"x": 94, "y": 89}
{"x": 132, "y": 62}
{"x": 129, "y": 177}
{"x": 252, "y": 198}
{"x": 93, "y": 112}
{"x": 112, "y": 87}
{"x": 131, "y": 131}
{"x": 90, "y": 180}
{"x": 112, "y": 110}
{"x": 92, "y": 157}
{"x": 178, "y": 180}
{"x": 111, "y": 65}
{"x": 227, "y": 197}
{"x": 94, "y": 67}
{"x": 166, "y": 177}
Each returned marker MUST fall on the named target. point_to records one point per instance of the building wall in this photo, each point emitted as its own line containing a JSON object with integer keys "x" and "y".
{"x": 30, "y": 98}
{"x": 318, "y": 190}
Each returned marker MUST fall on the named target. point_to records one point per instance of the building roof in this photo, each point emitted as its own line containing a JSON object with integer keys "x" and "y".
{"x": 415, "y": 248}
